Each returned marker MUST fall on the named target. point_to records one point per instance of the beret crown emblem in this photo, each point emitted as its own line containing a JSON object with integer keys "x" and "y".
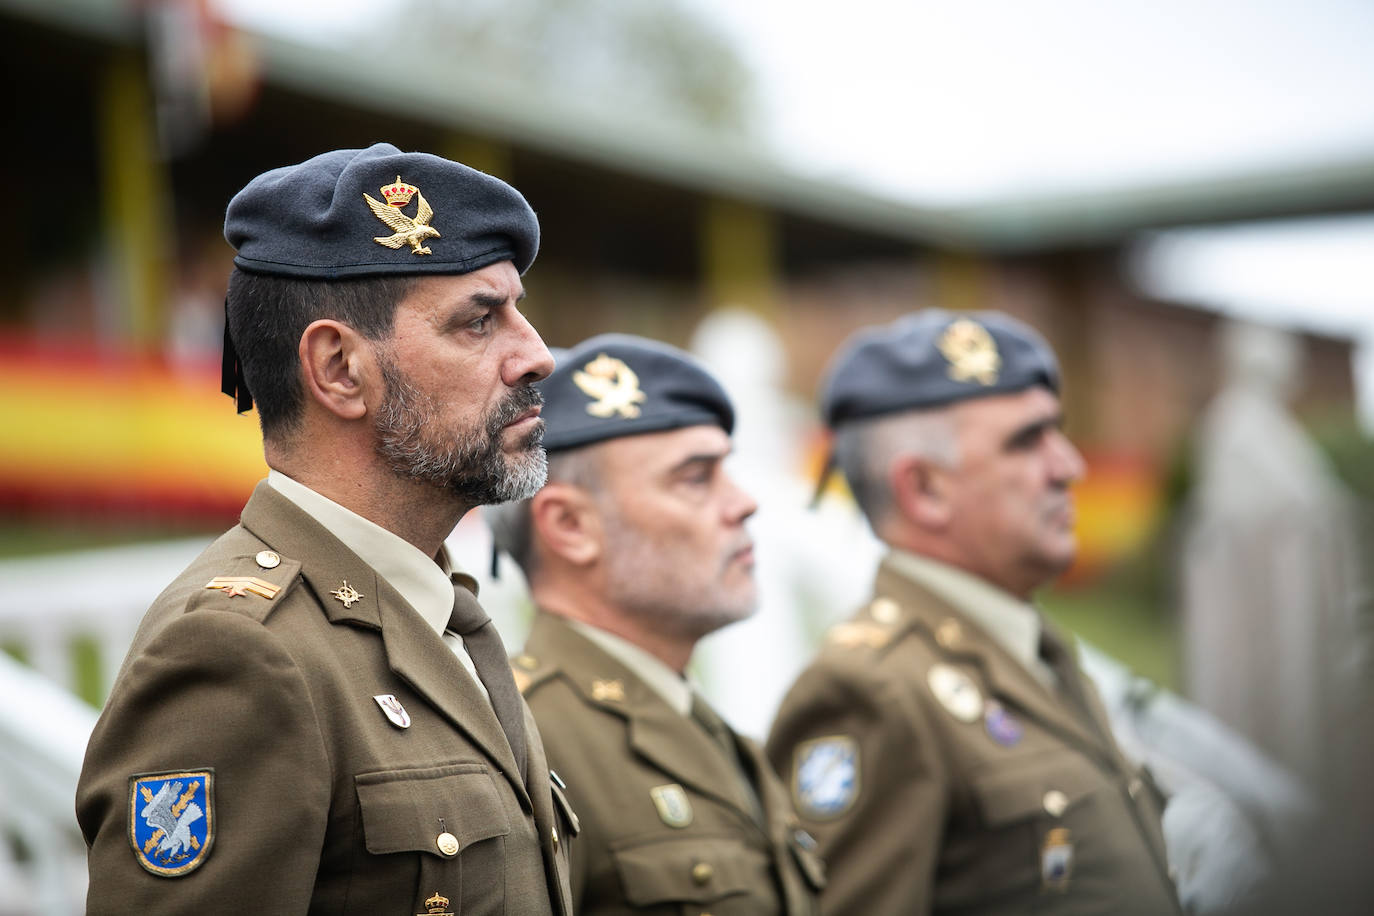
{"x": 406, "y": 230}
{"x": 613, "y": 386}
{"x": 971, "y": 352}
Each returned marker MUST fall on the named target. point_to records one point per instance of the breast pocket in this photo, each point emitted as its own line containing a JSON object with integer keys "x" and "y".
{"x": 1039, "y": 813}
{"x": 446, "y": 820}
{"x": 719, "y": 875}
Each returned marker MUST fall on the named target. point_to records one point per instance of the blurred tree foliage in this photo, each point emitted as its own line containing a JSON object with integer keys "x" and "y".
{"x": 655, "y": 56}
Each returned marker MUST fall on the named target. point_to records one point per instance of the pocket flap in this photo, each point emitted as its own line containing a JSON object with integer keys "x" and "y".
{"x": 407, "y": 810}
{"x": 1050, "y": 784}
{"x": 685, "y": 870}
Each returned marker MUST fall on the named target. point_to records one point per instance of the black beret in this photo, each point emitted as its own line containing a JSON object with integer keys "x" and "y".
{"x": 932, "y": 358}
{"x": 616, "y": 385}
{"x": 344, "y": 214}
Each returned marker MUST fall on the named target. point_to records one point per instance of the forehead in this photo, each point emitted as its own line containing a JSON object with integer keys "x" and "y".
{"x": 660, "y": 450}
{"x": 495, "y": 282}
{"x": 1003, "y": 414}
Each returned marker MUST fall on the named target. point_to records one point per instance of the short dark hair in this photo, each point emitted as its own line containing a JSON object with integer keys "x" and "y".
{"x": 268, "y": 314}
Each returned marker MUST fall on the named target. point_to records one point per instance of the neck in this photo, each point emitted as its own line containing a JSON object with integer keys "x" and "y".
{"x": 416, "y": 512}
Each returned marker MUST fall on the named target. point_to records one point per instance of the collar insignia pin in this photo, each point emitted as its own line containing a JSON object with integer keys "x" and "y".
{"x": 347, "y": 594}
{"x": 612, "y": 691}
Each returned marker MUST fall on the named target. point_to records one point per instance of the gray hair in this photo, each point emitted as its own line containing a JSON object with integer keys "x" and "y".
{"x": 865, "y": 450}
{"x": 511, "y": 523}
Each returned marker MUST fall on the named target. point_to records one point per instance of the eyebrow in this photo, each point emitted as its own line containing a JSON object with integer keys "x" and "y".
{"x": 479, "y": 301}
{"x": 699, "y": 458}
{"x": 1027, "y": 433}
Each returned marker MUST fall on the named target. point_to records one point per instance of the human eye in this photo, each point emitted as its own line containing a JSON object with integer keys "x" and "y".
{"x": 481, "y": 324}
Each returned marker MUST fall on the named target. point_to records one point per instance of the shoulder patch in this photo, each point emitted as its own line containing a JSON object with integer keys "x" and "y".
{"x": 172, "y": 820}
{"x": 825, "y": 776}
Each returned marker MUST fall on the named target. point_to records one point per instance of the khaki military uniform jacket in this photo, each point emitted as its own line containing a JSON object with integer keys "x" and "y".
{"x": 320, "y": 802}
{"x": 667, "y": 825}
{"x": 940, "y": 776}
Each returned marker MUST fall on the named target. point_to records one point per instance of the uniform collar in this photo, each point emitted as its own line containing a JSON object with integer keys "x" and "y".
{"x": 422, "y": 581}
{"x": 1010, "y": 622}
{"x": 670, "y": 686}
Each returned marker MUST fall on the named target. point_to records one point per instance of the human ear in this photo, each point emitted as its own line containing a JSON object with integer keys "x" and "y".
{"x": 922, "y": 491}
{"x": 331, "y": 357}
{"x": 565, "y": 520}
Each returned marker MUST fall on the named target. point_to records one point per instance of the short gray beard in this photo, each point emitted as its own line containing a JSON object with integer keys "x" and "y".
{"x": 473, "y": 465}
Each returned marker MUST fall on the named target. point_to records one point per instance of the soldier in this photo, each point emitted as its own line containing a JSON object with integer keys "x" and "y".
{"x": 944, "y": 748}
{"x": 634, "y": 550}
{"x": 316, "y": 716}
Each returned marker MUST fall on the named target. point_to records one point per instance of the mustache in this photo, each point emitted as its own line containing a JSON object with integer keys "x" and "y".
{"x": 515, "y": 404}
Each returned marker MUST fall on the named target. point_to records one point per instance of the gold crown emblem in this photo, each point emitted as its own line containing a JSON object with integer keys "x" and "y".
{"x": 398, "y": 193}
{"x": 436, "y": 903}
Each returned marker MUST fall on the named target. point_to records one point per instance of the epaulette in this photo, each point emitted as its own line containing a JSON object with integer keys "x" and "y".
{"x": 528, "y": 672}
{"x": 874, "y": 627}
{"x": 252, "y": 586}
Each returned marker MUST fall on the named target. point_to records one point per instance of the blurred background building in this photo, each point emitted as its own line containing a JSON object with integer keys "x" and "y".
{"x": 666, "y": 210}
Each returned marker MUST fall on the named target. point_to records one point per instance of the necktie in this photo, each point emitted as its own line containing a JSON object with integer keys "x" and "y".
{"x": 1061, "y": 660}
{"x": 488, "y": 656}
{"x": 715, "y": 726}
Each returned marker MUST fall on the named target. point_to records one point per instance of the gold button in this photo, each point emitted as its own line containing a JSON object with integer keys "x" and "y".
{"x": 948, "y": 633}
{"x": 1055, "y": 802}
{"x": 447, "y": 843}
{"x": 1134, "y": 787}
{"x": 884, "y": 610}
{"x": 268, "y": 559}
{"x": 702, "y": 872}
{"x": 554, "y": 833}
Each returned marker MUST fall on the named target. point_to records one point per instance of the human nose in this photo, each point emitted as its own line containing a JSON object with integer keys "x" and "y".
{"x": 530, "y": 360}
{"x": 1068, "y": 464}
{"x": 741, "y": 504}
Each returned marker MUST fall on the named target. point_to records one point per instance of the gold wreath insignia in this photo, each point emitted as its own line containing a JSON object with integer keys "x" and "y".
{"x": 613, "y": 385}
{"x": 971, "y": 352}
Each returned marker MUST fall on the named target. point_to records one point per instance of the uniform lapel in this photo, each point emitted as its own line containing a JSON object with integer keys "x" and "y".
{"x": 671, "y": 742}
{"x": 1007, "y": 679}
{"x": 414, "y": 652}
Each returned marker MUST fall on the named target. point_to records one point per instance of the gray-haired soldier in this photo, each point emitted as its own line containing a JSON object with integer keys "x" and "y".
{"x": 944, "y": 748}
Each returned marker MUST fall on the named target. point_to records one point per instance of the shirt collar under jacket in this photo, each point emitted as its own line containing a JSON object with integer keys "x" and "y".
{"x": 662, "y": 680}
{"x": 421, "y": 581}
{"x": 1012, "y": 623}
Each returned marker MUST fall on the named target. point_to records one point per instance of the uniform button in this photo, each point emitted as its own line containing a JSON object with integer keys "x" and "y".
{"x": 268, "y": 559}
{"x": 884, "y": 610}
{"x": 1055, "y": 802}
{"x": 948, "y": 633}
{"x": 702, "y": 872}
{"x": 447, "y": 843}
{"x": 554, "y": 833}
{"x": 1134, "y": 787}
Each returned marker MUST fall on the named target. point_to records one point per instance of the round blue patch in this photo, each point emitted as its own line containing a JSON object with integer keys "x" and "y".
{"x": 825, "y": 779}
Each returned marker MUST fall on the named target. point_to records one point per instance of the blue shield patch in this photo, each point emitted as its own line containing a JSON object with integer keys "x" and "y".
{"x": 825, "y": 777}
{"x": 171, "y": 820}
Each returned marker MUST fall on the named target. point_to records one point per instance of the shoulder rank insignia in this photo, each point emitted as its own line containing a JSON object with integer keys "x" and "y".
{"x": 858, "y": 633}
{"x": 172, "y": 820}
{"x": 825, "y": 776}
{"x": 407, "y": 230}
{"x": 956, "y": 692}
{"x": 237, "y": 586}
{"x": 971, "y": 352}
{"x": 672, "y": 804}
{"x": 613, "y": 385}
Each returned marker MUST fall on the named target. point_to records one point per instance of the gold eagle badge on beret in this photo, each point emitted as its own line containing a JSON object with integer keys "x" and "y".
{"x": 971, "y": 351}
{"x": 613, "y": 385}
{"x": 408, "y": 231}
